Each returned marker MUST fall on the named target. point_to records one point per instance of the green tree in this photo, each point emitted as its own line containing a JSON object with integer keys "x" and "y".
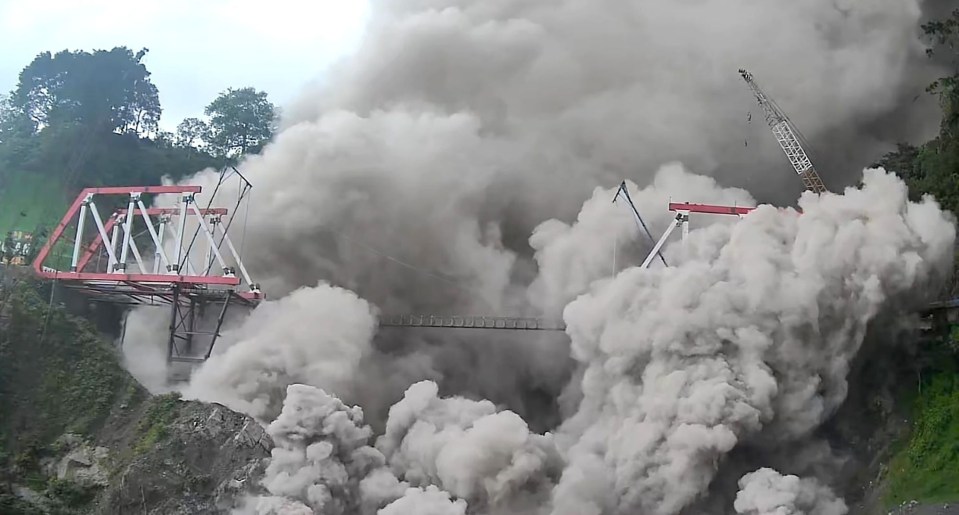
{"x": 191, "y": 132}
{"x": 241, "y": 121}
{"x": 944, "y": 38}
{"x": 12, "y": 123}
{"x": 103, "y": 90}
{"x": 933, "y": 168}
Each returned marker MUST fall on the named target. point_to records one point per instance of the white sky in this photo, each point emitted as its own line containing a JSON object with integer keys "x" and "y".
{"x": 197, "y": 47}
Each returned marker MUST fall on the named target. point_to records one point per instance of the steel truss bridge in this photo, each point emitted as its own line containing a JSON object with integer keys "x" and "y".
{"x": 194, "y": 272}
{"x": 183, "y": 258}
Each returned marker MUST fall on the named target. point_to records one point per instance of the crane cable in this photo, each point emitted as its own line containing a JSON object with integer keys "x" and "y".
{"x": 625, "y": 192}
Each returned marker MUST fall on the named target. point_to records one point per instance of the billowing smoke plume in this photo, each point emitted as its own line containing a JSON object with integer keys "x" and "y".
{"x": 767, "y": 492}
{"x": 431, "y": 501}
{"x": 315, "y": 335}
{"x": 320, "y": 456}
{"x": 746, "y": 338}
{"x": 323, "y": 463}
{"x": 441, "y": 170}
{"x": 145, "y": 340}
{"x": 416, "y": 176}
{"x": 749, "y": 338}
{"x": 612, "y": 235}
{"x": 468, "y": 449}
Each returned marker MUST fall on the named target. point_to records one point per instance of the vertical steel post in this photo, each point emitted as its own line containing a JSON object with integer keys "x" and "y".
{"x": 79, "y": 239}
{"x": 173, "y": 323}
{"x": 114, "y": 236}
{"x": 179, "y": 234}
{"x": 159, "y": 245}
{"x": 127, "y": 230}
{"x": 190, "y": 326}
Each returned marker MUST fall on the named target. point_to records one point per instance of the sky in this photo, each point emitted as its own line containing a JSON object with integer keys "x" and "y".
{"x": 197, "y": 48}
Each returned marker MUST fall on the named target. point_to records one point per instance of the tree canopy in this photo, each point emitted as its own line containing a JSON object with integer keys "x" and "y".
{"x": 933, "y": 167}
{"x": 944, "y": 39}
{"x": 191, "y": 132}
{"x": 241, "y": 121}
{"x": 103, "y": 90}
{"x": 78, "y": 119}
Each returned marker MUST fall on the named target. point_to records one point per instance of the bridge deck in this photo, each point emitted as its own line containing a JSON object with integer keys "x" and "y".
{"x": 472, "y": 322}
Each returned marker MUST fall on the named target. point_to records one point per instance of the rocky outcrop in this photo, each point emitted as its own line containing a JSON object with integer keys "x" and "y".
{"x": 81, "y": 463}
{"x": 209, "y": 457}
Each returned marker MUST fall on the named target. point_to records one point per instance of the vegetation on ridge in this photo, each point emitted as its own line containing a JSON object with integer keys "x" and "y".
{"x": 926, "y": 466}
{"x": 79, "y": 119}
{"x": 154, "y": 426}
{"x": 65, "y": 127}
{"x": 56, "y": 376}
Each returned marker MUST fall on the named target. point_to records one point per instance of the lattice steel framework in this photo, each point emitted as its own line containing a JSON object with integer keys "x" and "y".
{"x": 178, "y": 275}
{"x": 174, "y": 279}
{"x": 787, "y": 136}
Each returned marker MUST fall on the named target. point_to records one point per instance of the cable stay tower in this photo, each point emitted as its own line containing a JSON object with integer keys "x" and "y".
{"x": 787, "y": 135}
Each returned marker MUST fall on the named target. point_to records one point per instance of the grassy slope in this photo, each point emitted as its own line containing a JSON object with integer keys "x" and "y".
{"x": 40, "y": 200}
{"x": 926, "y": 466}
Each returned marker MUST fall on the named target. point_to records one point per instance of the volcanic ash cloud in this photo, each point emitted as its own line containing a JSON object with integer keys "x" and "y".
{"x": 751, "y": 334}
{"x": 767, "y": 492}
{"x": 315, "y": 336}
{"x": 746, "y": 338}
{"x": 437, "y": 455}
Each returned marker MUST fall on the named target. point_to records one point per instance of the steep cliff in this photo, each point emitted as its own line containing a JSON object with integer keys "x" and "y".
{"x": 79, "y": 435}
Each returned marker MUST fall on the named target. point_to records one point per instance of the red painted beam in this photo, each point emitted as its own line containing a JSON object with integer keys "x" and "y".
{"x": 126, "y": 190}
{"x": 709, "y": 209}
{"x": 57, "y": 233}
{"x": 251, "y": 296}
{"x": 142, "y": 278}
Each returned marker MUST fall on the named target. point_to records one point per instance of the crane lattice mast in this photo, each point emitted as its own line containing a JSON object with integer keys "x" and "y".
{"x": 787, "y": 137}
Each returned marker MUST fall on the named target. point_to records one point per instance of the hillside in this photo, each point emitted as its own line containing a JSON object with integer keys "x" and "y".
{"x": 773, "y": 367}
{"x": 79, "y": 435}
{"x": 29, "y": 201}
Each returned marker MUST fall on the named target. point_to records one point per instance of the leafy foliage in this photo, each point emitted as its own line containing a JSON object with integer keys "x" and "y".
{"x": 103, "y": 90}
{"x": 80, "y": 119}
{"x": 944, "y": 36}
{"x": 69, "y": 493}
{"x": 12, "y": 123}
{"x": 56, "y": 375}
{"x": 933, "y": 168}
{"x": 241, "y": 121}
{"x": 927, "y": 466}
{"x": 154, "y": 426}
{"x": 191, "y": 132}
{"x": 927, "y": 469}
{"x": 12, "y": 505}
